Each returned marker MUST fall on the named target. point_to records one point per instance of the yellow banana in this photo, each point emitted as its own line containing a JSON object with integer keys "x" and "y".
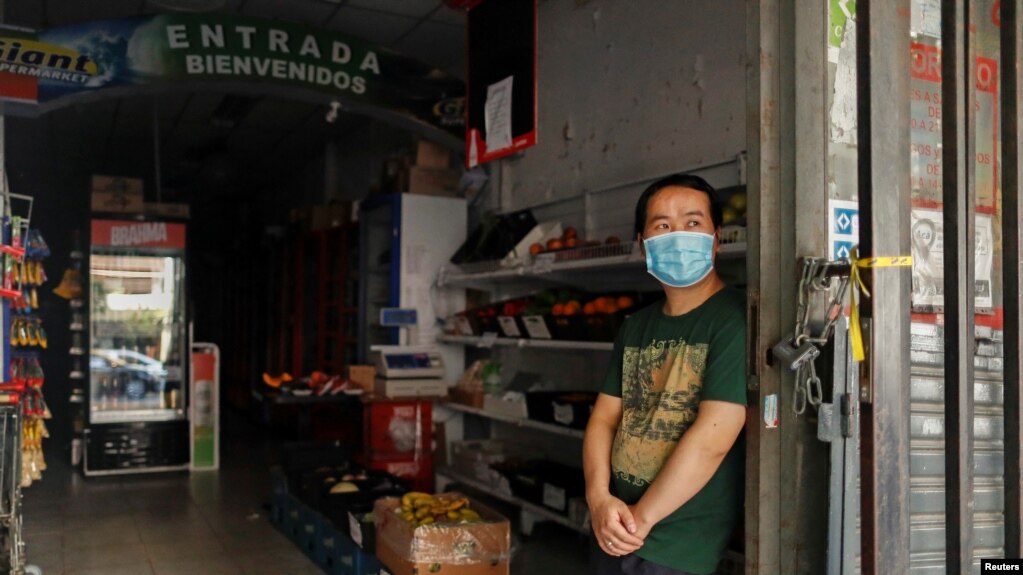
{"x": 409, "y": 498}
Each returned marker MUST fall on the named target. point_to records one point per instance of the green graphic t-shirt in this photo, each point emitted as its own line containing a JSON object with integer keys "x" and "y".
{"x": 662, "y": 368}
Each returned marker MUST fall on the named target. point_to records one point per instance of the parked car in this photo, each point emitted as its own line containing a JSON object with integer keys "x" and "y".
{"x": 123, "y": 373}
{"x": 136, "y": 360}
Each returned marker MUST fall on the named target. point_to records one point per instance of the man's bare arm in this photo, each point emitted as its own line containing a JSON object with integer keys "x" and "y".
{"x": 610, "y": 517}
{"x": 693, "y": 462}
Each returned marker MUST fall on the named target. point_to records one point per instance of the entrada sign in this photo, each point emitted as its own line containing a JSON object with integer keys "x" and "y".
{"x": 54, "y": 63}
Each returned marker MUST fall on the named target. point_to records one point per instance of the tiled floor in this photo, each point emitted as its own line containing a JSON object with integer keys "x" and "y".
{"x": 211, "y": 523}
{"x": 177, "y": 524}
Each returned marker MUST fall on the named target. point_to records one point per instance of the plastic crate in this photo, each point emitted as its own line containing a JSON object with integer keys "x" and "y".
{"x": 372, "y": 566}
{"x": 559, "y": 484}
{"x": 542, "y": 482}
{"x": 308, "y": 536}
{"x": 278, "y": 481}
{"x": 361, "y": 531}
{"x": 278, "y": 509}
{"x": 603, "y": 327}
{"x": 566, "y": 408}
{"x": 585, "y": 253}
{"x": 417, "y": 473}
{"x": 310, "y": 486}
{"x": 342, "y": 556}
{"x": 291, "y": 519}
{"x": 477, "y": 321}
{"x": 300, "y": 458}
{"x": 520, "y": 479}
{"x": 390, "y": 429}
{"x": 568, "y": 327}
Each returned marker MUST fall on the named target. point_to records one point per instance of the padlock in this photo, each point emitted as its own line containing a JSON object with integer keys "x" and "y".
{"x": 791, "y": 356}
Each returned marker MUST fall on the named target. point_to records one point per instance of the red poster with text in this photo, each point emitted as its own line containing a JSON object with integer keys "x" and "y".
{"x": 120, "y": 233}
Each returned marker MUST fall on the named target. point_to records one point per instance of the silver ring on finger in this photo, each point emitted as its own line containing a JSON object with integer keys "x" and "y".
{"x": 610, "y": 543}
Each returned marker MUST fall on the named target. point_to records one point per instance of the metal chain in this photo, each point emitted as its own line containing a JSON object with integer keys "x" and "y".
{"x": 803, "y": 309}
{"x": 818, "y": 275}
{"x": 808, "y": 388}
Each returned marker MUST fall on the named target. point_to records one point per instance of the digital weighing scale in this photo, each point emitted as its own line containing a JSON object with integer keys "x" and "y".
{"x": 407, "y": 370}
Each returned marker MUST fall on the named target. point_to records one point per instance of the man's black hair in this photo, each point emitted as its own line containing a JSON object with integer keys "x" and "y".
{"x": 679, "y": 181}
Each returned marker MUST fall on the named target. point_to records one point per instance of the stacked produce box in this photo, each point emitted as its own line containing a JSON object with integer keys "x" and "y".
{"x": 355, "y": 521}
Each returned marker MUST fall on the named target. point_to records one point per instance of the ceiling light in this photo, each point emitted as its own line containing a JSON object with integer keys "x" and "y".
{"x": 335, "y": 107}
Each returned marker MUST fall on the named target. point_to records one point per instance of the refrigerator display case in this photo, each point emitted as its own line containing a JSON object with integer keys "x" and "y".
{"x": 138, "y": 348}
{"x": 405, "y": 239}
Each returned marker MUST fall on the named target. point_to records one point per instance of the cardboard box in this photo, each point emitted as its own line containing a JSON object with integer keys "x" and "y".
{"x": 474, "y": 458}
{"x": 429, "y": 182}
{"x": 479, "y": 548}
{"x": 399, "y": 388}
{"x": 301, "y": 215}
{"x": 470, "y": 397}
{"x": 330, "y": 216}
{"x": 113, "y": 194}
{"x": 432, "y": 156}
{"x": 167, "y": 210}
{"x": 361, "y": 375}
{"x": 508, "y": 404}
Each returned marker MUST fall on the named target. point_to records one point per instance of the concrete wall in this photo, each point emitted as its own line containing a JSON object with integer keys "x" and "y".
{"x": 630, "y": 91}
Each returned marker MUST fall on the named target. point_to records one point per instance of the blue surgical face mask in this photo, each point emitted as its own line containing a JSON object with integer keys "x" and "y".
{"x": 680, "y": 259}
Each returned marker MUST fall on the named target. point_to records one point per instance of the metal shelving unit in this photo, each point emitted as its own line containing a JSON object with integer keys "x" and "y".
{"x": 525, "y": 342}
{"x": 548, "y": 427}
{"x": 619, "y": 266}
{"x": 612, "y": 267}
{"x": 526, "y": 506}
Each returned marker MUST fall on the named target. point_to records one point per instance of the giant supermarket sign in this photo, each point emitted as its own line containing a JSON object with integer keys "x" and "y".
{"x": 59, "y": 62}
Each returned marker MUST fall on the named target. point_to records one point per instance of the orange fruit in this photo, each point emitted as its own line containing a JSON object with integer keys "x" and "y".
{"x": 572, "y": 308}
{"x": 570, "y": 233}
{"x": 589, "y": 309}
{"x": 535, "y": 249}
{"x": 555, "y": 244}
{"x": 600, "y": 305}
{"x": 611, "y": 307}
{"x": 558, "y": 309}
{"x": 571, "y": 243}
{"x": 625, "y": 302}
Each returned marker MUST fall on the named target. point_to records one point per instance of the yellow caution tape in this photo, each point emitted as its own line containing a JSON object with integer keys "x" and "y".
{"x": 855, "y": 334}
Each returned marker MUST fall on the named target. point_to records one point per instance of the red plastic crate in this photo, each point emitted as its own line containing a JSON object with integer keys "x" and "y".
{"x": 390, "y": 428}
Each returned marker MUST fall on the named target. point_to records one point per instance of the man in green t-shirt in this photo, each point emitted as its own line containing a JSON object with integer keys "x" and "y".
{"x": 663, "y": 469}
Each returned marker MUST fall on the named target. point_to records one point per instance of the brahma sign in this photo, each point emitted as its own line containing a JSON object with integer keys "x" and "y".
{"x": 117, "y": 233}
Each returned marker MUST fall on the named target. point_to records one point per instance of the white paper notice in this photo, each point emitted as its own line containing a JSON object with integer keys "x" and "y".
{"x": 843, "y": 106}
{"x": 497, "y": 114}
{"x": 928, "y": 244}
{"x": 925, "y": 18}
